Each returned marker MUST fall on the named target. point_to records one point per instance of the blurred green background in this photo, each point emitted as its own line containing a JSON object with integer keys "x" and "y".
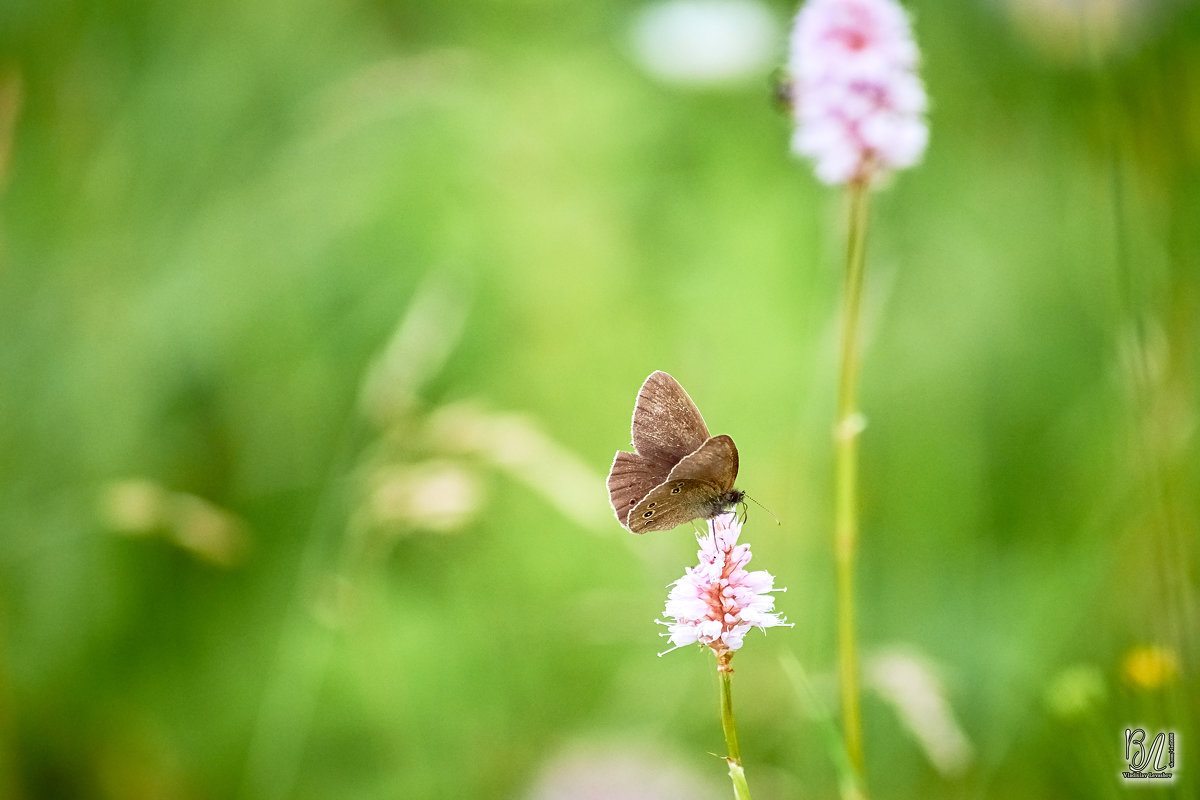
{"x": 320, "y": 324}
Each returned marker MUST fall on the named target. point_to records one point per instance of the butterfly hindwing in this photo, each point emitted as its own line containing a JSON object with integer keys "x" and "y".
{"x": 631, "y": 478}
{"x": 669, "y": 505}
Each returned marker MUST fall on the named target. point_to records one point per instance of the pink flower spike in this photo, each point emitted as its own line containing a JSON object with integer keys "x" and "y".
{"x": 856, "y": 98}
{"x": 716, "y": 602}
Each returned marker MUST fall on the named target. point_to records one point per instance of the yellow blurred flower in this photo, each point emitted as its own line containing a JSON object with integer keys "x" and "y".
{"x": 1150, "y": 666}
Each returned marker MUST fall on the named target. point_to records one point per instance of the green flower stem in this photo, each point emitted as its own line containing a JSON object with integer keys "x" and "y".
{"x": 846, "y": 432}
{"x": 741, "y": 791}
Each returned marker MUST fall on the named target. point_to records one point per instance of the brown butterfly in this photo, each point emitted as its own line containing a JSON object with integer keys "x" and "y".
{"x": 679, "y": 472}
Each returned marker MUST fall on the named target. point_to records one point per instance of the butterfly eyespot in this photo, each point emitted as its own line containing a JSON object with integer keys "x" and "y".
{"x": 648, "y": 514}
{"x": 652, "y": 505}
{"x": 676, "y": 490}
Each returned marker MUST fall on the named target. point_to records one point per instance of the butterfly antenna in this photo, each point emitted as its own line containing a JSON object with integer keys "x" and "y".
{"x": 764, "y": 508}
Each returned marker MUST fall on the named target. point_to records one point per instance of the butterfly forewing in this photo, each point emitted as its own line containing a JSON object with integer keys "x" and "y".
{"x": 715, "y": 462}
{"x": 666, "y": 423}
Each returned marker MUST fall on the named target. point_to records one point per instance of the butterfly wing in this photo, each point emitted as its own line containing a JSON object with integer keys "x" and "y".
{"x": 631, "y": 478}
{"x": 671, "y": 504}
{"x": 694, "y": 489}
{"x": 715, "y": 462}
{"x": 667, "y": 426}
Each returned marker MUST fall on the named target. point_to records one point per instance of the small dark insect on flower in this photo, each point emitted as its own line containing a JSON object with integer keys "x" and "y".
{"x": 782, "y": 96}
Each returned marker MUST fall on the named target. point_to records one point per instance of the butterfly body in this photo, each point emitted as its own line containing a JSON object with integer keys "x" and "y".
{"x": 678, "y": 472}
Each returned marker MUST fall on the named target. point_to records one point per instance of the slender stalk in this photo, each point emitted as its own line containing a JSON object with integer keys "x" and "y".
{"x": 741, "y": 791}
{"x": 848, "y": 782}
{"x": 846, "y": 432}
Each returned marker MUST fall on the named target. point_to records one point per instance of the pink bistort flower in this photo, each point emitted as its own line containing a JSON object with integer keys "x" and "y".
{"x": 717, "y": 602}
{"x": 855, "y": 94}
